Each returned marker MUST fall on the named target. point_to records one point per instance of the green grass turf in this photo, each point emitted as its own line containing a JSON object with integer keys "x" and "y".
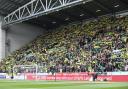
{"x": 13, "y": 84}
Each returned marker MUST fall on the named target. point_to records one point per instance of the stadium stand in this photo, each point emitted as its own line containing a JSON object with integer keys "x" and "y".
{"x": 99, "y": 45}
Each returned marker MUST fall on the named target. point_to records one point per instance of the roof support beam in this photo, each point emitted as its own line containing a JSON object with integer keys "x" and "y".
{"x": 45, "y": 8}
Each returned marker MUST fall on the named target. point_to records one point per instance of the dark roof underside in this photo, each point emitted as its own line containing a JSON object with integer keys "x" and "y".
{"x": 91, "y": 9}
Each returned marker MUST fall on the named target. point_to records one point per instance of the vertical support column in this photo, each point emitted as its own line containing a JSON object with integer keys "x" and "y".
{"x": 2, "y": 40}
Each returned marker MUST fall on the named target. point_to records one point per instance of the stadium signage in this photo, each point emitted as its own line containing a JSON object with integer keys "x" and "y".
{"x": 2, "y": 75}
{"x": 79, "y": 76}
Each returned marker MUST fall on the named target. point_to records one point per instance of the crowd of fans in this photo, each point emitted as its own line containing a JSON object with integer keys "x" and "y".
{"x": 99, "y": 45}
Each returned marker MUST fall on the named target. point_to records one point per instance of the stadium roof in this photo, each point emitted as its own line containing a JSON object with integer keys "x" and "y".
{"x": 91, "y": 9}
{"x": 8, "y": 6}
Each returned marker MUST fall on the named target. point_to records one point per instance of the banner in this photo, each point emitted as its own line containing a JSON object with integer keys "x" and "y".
{"x": 2, "y": 75}
{"x": 77, "y": 76}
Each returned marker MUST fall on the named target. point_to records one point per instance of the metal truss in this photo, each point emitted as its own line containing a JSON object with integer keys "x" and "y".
{"x": 36, "y": 8}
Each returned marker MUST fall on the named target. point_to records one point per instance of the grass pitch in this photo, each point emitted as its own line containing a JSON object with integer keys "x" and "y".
{"x": 13, "y": 84}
